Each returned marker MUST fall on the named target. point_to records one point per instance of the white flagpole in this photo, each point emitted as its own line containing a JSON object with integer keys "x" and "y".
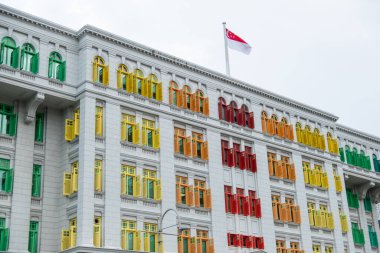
{"x": 226, "y": 50}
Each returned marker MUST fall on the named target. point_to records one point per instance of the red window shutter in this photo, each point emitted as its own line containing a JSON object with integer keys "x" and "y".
{"x": 260, "y": 242}
{"x": 240, "y": 116}
{"x": 220, "y": 109}
{"x": 226, "y": 201}
{"x": 237, "y": 241}
{"x": 257, "y": 208}
{"x": 228, "y": 113}
{"x": 234, "y": 205}
{"x": 253, "y": 239}
{"x": 229, "y": 239}
{"x": 249, "y": 242}
{"x": 251, "y": 121}
{"x": 242, "y": 157}
{"x": 231, "y": 157}
{"x": 253, "y": 163}
{"x": 246, "y": 206}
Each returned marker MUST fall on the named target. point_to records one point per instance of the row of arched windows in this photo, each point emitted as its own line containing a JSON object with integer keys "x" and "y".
{"x": 132, "y": 82}
{"x": 356, "y": 158}
{"x": 185, "y": 98}
{"x": 310, "y": 138}
{"x": 233, "y": 114}
{"x": 273, "y": 126}
{"x": 27, "y": 59}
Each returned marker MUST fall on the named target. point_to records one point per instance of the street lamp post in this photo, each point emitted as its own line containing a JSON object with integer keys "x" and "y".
{"x": 160, "y": 229}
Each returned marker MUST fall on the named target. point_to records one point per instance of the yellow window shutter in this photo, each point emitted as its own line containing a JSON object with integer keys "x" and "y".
{"x": 204, "y": 150}
{"x": 123, "y": 238}
{"x": 94, "y": 72}
{"x": 306, "y": 175}
{"x": 136, "y": 133}
{"x": 123, "y": 183}
{"x": 65, "y": 239}
{"x": 156, "y": 243}
{"x": 97, "y": 232}
{"x": 146, "y": 241}
{"x": 66, "y": 189}
{"x": 137, "y": 241}
{"x": 130, "y": 82}
{"x": 99, "y": 121}
{"x": 325, "y": 180}
{"x": 69, "y": 130}
{"x": 311, "y": 216}
{"x": 157, "y": 189}
{"x": 144, "y": 87}
{"x": 134, "y": 84}
{"x": 144, "y": 188}
{"x": 156, "y": 139}
{"x": 119, "y": 81}
{"x": 159, "y": 92}
{"x": 76, "y": 123}
{"x": 149, "y": 88}
{"x": 74, "y": 177}
{"x": 144, "y": 139}
{"x": 106, "y": 75}
{"x": 73, "y": 235}
{"x": 137, "y": 192}
{"x": 98, "y": 175}
{"x": 123, "y": 131}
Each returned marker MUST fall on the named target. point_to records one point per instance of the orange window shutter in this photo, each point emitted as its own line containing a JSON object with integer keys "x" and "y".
{"x": 197, "y": 102}
{"x": 204, "y": 150}
{"x": 192, "y": 245}
{"x": 281, "y": 129}
{"x": 275, "y": 211}
{"x": 196, "y": 196}
{"x": 206, "y": 106}
{"x": 292, "y": 172}
{"x": 263, "y": 125}
{"x": 187, "y": 147}
{"x": 208, "y": 199}
{"x": 178, "y": 194}
{"x": 270, "y": 166}
{"x": 210, "y": 246}
{"x": 176, "y": 144}
{"x": 192, "y": 101}
{"x": 171, "y": 91}
{"x": 194, "y": 149}
{"x": 180, "y": 244}
{"x": 199, "y": 245}
{"x": 190, "y": 196}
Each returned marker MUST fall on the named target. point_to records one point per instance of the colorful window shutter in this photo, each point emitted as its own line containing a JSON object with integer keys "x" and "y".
{"x": 33, "y": 237}
{"x": 98, "y": 175}
{"x": 39, "y": 128}
{"x": 69, "y": 130}
{"x": 36, "y": 180}
{"x": 99, "y": 121}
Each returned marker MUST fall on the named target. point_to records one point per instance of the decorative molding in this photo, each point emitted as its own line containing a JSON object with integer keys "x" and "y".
{"x": 357, "y": 133}
{"x": 375, "y": 195}
{"x": 363, "y": 189}
{"x": 31, "y": 107}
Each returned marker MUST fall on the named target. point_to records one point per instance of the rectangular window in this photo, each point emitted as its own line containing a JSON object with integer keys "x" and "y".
{"x": 97, "y": 231}
{"x": 4, "y": 235}
{"x": 316, "y": 248}
{"x": 182, "y": 190}
{"x": 33, "y": 237}
{"x": 200, "y": 193}
{"x": 8, "y": 120}
{"x": 98, "y": 180}
{"x": 150, "y": 135}
{"x": 179, "y": 141}
{"x": 130, "y": 182}
{"x": 6, "y": 176}
{"x": 130, "y": 236}
{"x": 151, "y": 185}
{"x": 130, "y": 130}
{"x": 39, "y": 129}
{"x": 36, "y": 181}
{"x": 99, "y": 121}
{"x": 150, "y": 237}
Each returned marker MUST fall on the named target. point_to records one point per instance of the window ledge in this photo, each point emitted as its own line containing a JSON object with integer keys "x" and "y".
{"x": 130, "y": 144}
{"x": 125, "y": 196}
{"x": 316, "y": 187}
{"x": 72, "y": 195}
{"x": 282, "y": 179}
{"x": 190, "y": 158}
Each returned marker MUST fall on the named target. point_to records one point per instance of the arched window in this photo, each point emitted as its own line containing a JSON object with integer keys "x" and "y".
{"x": 138, "y": 84}
{"x": 284, "y": 120}
{"x": 329, "y": 135}
{"x": 376, "y": 163}
{"x": 199, "y": 101}
{"x": 274, "y": 123}
{"x": 235, "y": 112}
{"x": 122, "y": 78}
{"x": 9, "y": 52}
{"x": 298, "y": 125}
{"x": 100, "y": 71}
{"x": 222, "y": 109}
{"x": 245, "y": 115}
{"x": 57, "y": 67}
{"x": 174, "y": 94}
{"x": 29, "y": 58}
{"x": 316, "y": 131}
{"x": 153, "y": 86}
{"x": 188, "y": 97}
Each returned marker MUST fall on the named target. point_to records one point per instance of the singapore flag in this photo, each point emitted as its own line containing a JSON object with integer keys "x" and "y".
{"x": 237, "y": 43}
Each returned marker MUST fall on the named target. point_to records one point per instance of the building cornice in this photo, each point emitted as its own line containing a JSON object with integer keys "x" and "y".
{"x": 357, "y": 133}
{"x": 94, "y": 31}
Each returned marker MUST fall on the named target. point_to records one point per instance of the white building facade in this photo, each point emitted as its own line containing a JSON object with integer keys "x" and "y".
{"x": 101, "y": 136}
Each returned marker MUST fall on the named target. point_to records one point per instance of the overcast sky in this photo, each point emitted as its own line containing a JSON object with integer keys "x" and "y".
{"x": 324, "y": 53}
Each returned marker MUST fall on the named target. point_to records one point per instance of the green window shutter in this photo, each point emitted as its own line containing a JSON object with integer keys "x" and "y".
{"x": 4, "y": 238}
{"x": 36, "y": 180}
{"x": 22, "y": 58}
{"x": 2, "y": 52}
{"x": 33, "y": 237}
{"x": 9, "y": 180}
{"x": 12, "y": 125}
{"x": 15, "y": 56}
{"x": 35, "y": 63}
{"x": 62, "y": 71}
{"x": 341, "y": 152}
{"x": 39, "y": 129}
{"x": 50, "y": 70}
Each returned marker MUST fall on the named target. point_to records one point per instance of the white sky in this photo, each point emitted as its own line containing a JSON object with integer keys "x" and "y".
{"x": 327, "y": 49}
